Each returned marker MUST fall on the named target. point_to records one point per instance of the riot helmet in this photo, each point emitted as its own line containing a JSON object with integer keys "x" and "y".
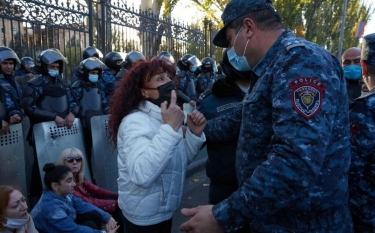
{"x": 208, "y": 64}
{"x": 230, "y": 71}
{"x": 193, "y": 64}
{"x": 27, "y": 63}
{"x": 50, "y": 56}
{"x": 91, "y": 51}
{"x": 89, "y": 64}
{"x": 183, "y": 63}
{"x": 8, "y": 54}
{"x": 132, "y": 57}
{"x": 111, "y": 60}
{"x": 166, "y": 56}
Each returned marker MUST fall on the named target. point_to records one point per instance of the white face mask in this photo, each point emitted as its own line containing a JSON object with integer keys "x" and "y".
{"x": 14, "y": 223}
{"x": 239, "y": 63}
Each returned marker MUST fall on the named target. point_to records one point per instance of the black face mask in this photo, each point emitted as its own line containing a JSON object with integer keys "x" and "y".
{"x": 164, "y": 93}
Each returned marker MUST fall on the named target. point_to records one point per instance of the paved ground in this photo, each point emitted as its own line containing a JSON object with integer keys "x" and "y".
{"x": 195, "y": 193}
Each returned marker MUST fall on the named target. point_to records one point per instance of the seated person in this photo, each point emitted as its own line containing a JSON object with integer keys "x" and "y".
{"x": 13, "y": 212}
{"x": 87, "y": 191}
{"x": 58, "y": 210}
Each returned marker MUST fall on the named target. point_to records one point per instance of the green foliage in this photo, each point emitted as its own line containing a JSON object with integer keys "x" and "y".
{"x": 74, "y": 56}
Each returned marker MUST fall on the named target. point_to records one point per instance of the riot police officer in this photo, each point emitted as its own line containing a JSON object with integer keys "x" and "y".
{"x": 10, "y": 111}
{"x": 89, "y": 51}
{"x": 113, "y": 62}
{"x": 207, "y": 78}
{"x": 130, "y": 59}
{"x": 48, "y": 98}
{"x": 25, "y": 72}
{"x": 187, "y": 80}
{"x": 92, "y": 100}
{"x": 8, "y": 61}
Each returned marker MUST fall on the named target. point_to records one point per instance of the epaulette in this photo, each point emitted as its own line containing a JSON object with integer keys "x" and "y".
{"x": 290, "y": 43}
{"x": 204, "y": 95}
{"x": 37, "y": 81}
{"x": 77, "y": 84}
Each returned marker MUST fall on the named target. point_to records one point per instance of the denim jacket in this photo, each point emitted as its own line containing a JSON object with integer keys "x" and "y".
{"x": 54, "y": 213}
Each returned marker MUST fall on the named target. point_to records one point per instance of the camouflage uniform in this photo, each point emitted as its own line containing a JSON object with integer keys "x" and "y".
{"x": 187, "y": 86}
{"x": 204, "y": 82}
{"x": 362, "y": 168}
{"x": 107, "y": 82}
{"x": 293, "y": 153}
{"x": 9, "y": 106}
{"x": 36, "y": 93}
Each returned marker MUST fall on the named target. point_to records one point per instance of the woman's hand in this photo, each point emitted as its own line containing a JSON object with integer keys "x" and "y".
{"x": 196, "y": 122}
{"x": 111, "y": 225}
{"x": 173, "y": 115}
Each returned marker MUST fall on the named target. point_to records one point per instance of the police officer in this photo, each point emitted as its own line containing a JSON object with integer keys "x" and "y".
{"x": 225, "y": 95}
{"x": 113, "y": 62}
{"x": 89, "y": 51}
{"x": 362, "y": 172}
{"x": 186, "y": 91}
{"x": 207, "y": 78}
{"x": 8, "y": 61}
{"x": 92, "y": 100}
{"x": 130, "y": 59}
{"x": 25, "y": 72}
{"x": 10, "y": 111}
{"x": 48, "y": 97}
{"x": 351, "y": 64}
{"x": 293, "y": 154}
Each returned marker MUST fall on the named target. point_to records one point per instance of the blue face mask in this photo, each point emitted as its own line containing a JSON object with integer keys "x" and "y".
{"x": 93, "y": 78}
{"x": 193, "y": 69}
{"x": 238, "y": 63}
{"x": 53, "y": 73}
{"x": 352, "y": 72}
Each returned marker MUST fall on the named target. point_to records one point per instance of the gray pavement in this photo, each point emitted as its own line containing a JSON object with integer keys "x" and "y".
{"x": 196, "y": 189}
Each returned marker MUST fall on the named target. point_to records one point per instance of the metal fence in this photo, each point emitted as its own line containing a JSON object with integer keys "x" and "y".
{"x": 30, "y": 26}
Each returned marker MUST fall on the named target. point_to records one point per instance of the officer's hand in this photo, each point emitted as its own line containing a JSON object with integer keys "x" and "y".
{"x": 4, "y": 127}
{"x": 69, "y": 119}
{"x": 15, "y": 119}
{"x": 30, "y": 75}
{"x": 60, "y": 122}
{"x": 173, "y": 115}
{"x": 192, "y": 103}
{"x": 196, "y": 122}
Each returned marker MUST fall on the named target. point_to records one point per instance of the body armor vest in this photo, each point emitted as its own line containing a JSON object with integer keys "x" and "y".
{"x": 55, "y": 100}
{"x": 90, "y": 105}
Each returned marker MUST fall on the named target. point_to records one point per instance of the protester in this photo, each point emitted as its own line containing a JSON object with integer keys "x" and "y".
{"x": 153, "y": 150}
{"x": 13, "y": 212}
{"x": 58, "y": 210}
{"x": 293, "y": 151}
{"x": 362, "y": 119}
{"x": 87, "y": 191}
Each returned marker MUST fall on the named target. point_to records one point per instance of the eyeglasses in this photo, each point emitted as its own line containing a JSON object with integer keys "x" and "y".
{"x": 71, "y": 159}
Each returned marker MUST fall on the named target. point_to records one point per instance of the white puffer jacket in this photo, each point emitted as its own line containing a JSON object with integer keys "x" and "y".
{"x": 152, "y": 160}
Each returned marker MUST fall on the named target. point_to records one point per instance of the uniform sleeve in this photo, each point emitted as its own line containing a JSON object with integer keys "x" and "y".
{"x": 105, "y": 104}
{"x": 224, "y": 127}
{"x": 297, "y": 147}
{"x": 11, "y": 107}
{"x": 73, "y": 101}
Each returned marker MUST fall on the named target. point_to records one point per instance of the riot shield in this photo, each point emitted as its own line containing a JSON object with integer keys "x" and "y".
{"x": 104, "y": 156}
{"x": 51, "y": 140}
{"x": 12, "y": 159}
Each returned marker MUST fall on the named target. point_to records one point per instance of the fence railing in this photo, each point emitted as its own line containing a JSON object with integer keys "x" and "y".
{"x": 30, "y": 26}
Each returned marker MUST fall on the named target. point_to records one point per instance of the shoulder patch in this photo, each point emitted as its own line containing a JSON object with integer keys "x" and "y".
{"x": 307, "y": 95}
{"x": 290, "y": 43}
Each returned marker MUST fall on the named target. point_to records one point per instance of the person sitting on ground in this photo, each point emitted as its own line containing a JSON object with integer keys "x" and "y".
{"x": 87, "y": 191}
{"x": 58, "y": 210}
{"x": 13, "y": 212}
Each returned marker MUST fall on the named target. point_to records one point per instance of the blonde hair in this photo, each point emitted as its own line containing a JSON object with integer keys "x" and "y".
{"x": 73, "y": 152}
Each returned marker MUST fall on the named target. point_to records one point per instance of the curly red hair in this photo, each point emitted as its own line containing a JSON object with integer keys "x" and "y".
{"x": 128, "y": 95}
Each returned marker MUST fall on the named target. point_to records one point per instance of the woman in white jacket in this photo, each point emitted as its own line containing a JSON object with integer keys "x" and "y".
{"x": 153, "y": 147}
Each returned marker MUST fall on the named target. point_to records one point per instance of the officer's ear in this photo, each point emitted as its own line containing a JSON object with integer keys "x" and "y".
{"x": 364, "y": 68}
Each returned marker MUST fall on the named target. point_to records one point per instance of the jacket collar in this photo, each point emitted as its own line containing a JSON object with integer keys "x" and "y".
{"x": 151, "y": 109}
